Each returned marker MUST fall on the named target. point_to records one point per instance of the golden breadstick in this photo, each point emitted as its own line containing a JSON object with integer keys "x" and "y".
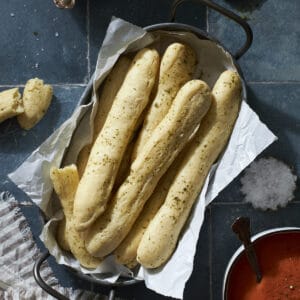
{"x": 99, "y": 176}
{"x": 161, "y": 236}
{"x": 111, "y": 87}
{"x": 127, "y": 250}
{"x": 177, "y": 67}
{"x": 169, "y": 137}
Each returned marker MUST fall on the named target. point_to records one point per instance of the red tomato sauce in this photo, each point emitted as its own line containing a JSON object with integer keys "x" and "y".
{"x": 279, "y": 260}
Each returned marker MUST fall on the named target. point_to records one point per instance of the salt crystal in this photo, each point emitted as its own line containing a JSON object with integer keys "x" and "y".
{"x": 42, "y": 49}
{"x": 36, "y": 65}
{"x": 56, "y": 34}
{"x": 268, "y": 184}
{"x": 12, "y": 14}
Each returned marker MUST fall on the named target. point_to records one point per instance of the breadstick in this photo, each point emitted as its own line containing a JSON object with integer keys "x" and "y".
{"x": 97, "y": 181}
{"x": 127, "y": 250}
{"x": 124, "y": 166}
{"x": 177, "y": 67}
{"x": 10, "y": 104}
{"x": 126, "y": 160}
{"x": 161, "y": 236}
{"x": 65, "y": 182}
{"x": 37, "y": 97}
{"x": 111, "y": 86}
{"x": 169, "y": 137}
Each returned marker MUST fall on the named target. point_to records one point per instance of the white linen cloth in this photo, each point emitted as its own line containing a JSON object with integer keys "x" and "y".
{"x": 18, "y": 253}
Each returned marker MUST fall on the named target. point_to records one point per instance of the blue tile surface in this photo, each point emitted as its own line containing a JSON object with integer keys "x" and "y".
{"x": 198, "y": 286}
{"x": 37, "y": 39}
{"x": 143, "y": 14}
{"x": 278, "y": 106}
{"x": 231, "y": 193}
{"x": 67, "y": 277}
{"x": 274, "y": 55}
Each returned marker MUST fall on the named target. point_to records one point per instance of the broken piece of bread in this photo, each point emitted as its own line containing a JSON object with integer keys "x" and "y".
{"x": 37, "y": 97}
{"x": 65, "y": 181}
{"x": 10, "y": 104}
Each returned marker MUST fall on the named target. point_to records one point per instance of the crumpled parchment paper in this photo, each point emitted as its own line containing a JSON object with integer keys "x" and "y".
{"x": 249, "y": 138}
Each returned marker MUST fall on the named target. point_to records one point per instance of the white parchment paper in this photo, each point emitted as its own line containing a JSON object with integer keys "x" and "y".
{"x": 250, "y": 136}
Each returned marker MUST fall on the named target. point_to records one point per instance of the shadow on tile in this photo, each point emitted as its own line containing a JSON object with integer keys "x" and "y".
{"x": 17, "y": 144}
{"x": 198, "y": 286}
{"x": 35, "y": 220}
{"x": 278, "y": 107}
{"x": 67, "y": 278}
{"x": 231, "y": 193}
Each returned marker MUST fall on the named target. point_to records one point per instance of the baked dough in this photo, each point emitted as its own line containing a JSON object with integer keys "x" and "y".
{"x": 169, "y": 137}
{"x": 177, "y": 67}
{"x": 37, "y": 97}
{"x": 111, "y": 87}
{"x": 11, "y": 104}
{"x": 107, "y": 152}
{"x": 127, "y": 251}
{"x": 65, "y": 182}
{"x": 161, "y": 236}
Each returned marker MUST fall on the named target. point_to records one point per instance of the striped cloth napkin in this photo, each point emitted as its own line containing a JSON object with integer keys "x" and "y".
{"x": 18, "y": 252}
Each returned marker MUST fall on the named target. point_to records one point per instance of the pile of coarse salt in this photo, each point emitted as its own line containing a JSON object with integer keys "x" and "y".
{"x": 268, "y": 184}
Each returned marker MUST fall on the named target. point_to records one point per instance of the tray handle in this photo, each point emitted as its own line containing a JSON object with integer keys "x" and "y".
{"x": 40, "y": 281}
{"x": 229, "y": 14}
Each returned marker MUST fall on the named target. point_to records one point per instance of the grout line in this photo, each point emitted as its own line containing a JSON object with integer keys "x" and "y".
{"x": 207, "y": 22}
{"x": 53, "y": 84}
{"x": 88, "y": 38}
{"x": 210, "y": 254}
{"x": 69, "y": 84}
{"x": 26, "y": 203}
{"x": 274, "y": 82}
{"x": 11, "y": 85}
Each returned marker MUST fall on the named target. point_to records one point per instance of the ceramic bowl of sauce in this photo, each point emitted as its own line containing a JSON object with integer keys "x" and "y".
{"x": 278, "y": 254}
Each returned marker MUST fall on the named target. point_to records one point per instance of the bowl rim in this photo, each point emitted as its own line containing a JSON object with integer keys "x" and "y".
{"x": 240, "y": 250}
